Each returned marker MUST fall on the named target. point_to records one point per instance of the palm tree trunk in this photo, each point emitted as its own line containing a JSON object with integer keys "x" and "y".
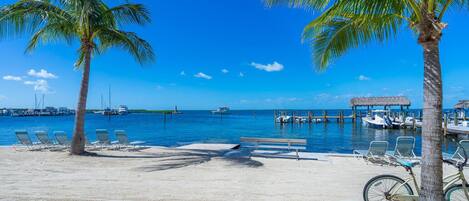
{"x": 78, "y": 141}
{"x": 432, "y": 167}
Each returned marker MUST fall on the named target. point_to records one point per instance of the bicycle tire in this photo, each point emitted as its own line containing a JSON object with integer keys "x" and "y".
{"x": 459, "y": 196}
{"x": 373, "y": 182}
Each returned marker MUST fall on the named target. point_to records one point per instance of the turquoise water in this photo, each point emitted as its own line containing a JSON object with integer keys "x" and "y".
{"x": 202, "y": 126}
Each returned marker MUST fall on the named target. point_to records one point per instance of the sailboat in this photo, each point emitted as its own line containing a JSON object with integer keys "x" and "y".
{"x": 176, "y": 111}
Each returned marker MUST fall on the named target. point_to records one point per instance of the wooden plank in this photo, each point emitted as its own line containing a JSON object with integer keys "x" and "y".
{"x": 273, "y": 140}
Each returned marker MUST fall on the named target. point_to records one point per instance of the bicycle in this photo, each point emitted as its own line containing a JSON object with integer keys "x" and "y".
{"x": 393, "y": 188}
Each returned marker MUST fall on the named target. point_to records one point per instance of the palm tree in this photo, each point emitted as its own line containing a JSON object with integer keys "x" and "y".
{"x": 345, "y": 24}
{"x": 92, "y": 23}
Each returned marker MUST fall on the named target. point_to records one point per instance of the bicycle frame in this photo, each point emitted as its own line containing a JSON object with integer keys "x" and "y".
{"x": 448, "y": 181}
{"x": 452, "y": 179}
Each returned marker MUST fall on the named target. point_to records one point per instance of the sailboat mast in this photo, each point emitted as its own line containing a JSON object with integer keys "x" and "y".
{"x": 35, "y": 101}
{"x": 110, "y": 97}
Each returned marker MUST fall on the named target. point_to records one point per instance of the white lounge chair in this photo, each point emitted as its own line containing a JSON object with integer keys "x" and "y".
{"x": 44, "y": 140}
{"x": 458, "y": 155}
{"x": 62, "y": 139}
{"x": 375, "y": 153}
{"x": 123, "y": 141}
{"x": 102, "y": 139}
{"x": 25, "y": 141}
{"x": 404, "y": 148}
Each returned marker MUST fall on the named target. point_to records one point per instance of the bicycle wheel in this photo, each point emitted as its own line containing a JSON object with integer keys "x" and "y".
{"x": 380, "y": 187}
{"x": 456, "y": 193}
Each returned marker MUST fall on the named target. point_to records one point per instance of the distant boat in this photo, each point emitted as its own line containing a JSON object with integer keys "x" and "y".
{"x": 176, "y": 111}
{"x": 123, "y": 110}
{"x": 381, "y": 120}
{"x": 109, "y": 112}
{"x": 221, "y": 110}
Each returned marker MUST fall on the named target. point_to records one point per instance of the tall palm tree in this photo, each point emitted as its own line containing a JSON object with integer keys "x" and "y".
{"x": 92, "y": 23}
{"x": 345, "y": 24}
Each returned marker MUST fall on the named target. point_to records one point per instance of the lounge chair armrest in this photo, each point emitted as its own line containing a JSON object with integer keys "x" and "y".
{"x": 115, "y": 142}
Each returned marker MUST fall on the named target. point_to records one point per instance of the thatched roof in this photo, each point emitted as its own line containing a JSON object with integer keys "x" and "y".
{"x": 380, "y": 101}
{"x": 463, "y": 104}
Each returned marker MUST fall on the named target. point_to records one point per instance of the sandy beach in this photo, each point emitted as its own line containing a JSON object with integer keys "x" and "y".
{"x": 177, "y": 174}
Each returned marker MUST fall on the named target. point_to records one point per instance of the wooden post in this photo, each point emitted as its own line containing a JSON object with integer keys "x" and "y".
{"x": 343, "y": 116}
{"x": 414, "y": 126}
{"x": 338, "y": 117}
{"x": 325, "y": 116}
{"x": 310, "y": 118}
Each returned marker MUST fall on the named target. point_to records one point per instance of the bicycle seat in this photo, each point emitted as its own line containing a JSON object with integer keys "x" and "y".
{"x": 408, "y": 164}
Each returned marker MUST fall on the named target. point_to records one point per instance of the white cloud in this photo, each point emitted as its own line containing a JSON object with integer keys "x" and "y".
{"x": 268, "y": 67}
{"x": 182, "y": 73}
{"x": 2, "y": 97}
{"x": 39, "y": 85}
{"x": 12, "y": 78}
{"x": 241, "y": 74}
{"x": 363, "y": 78}
{"x": 41, "y": 74}
{"x": 203, "y": 76}
{"x": 225, "y": 71}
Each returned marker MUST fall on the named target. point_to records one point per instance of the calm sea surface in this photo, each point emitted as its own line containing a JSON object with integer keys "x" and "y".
{"x": 202, "y": 126}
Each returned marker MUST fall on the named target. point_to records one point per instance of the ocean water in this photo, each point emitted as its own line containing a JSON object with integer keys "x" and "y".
{"x": 202, "y": 126}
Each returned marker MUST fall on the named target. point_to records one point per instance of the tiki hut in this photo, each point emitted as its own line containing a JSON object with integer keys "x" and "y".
{"x": 380, "y": 101}
{"x": 462, "y": 104}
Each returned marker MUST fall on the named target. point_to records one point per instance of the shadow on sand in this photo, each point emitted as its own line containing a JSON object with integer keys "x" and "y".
{"x": 178, "y": 158}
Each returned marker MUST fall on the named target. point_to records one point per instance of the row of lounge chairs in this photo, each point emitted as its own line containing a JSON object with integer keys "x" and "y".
{"x": 404, "y": 149}
{"x": 62, "y": 142}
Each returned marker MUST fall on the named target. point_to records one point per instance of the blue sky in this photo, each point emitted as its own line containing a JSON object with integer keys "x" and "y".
{"x": 236, "y": 53}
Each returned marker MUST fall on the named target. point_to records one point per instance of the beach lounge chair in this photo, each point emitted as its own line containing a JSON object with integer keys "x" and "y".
{"x": 43, "y": 138}
{"x": 459, "y": 154}
{"x": 25, "y": 141}
{"x": 123, "y": 141}
{"x": 102, "y": 139}
{"x": 404, "y": 148}
{"x": 375, "y": 153}
{"x": 62, "y": 139}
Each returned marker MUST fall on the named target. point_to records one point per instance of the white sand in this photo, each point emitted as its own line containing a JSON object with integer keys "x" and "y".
{"x": 171, "y": 174}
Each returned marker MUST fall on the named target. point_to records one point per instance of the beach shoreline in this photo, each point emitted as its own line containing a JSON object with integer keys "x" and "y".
{"x": 160, "y": 173}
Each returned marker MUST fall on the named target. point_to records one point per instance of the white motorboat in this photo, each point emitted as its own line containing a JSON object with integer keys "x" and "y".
{"x": 284, "y": 119}
{"x": 380, "y": 119}
{"x": 221, "y": 110}
{"x": 123, "y": 110}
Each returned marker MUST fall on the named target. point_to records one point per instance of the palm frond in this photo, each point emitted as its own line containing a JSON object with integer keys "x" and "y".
{"x": 130, "y": 13}
{"x": 309, "y": 4}
{"x": 139, "y": 48}
{"x": 92, "y": 22}
{"x": 27, "y": 16}
{"x": 335, "y": 37}
{"x": 52, "y": 32}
